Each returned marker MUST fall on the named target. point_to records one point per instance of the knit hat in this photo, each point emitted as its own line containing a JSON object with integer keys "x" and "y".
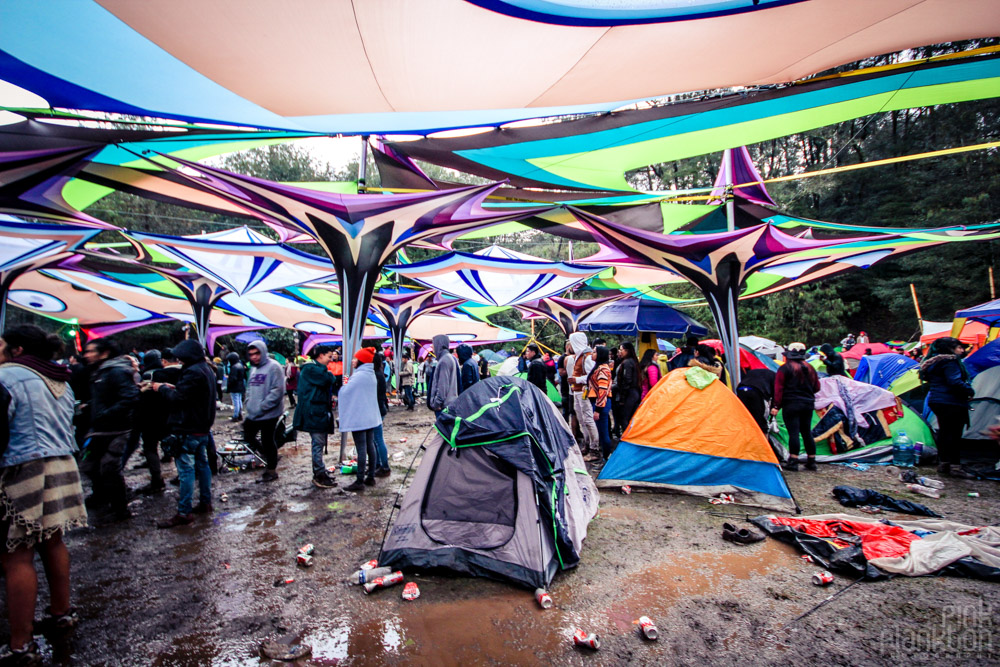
{"x": 365, "y": 355}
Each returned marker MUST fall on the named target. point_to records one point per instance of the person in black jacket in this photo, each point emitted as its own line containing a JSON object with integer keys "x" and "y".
{"x": 834, "y": 362}
{"x": 948, "y": 394}
{"x": 236, "y": 384}
{"x": 192, "y": 413}
{"x": 114, "y": 395}
{"x": 314, "y": 410}
{"x": 381, "y": 451}
{"x": 755, "y": 392}
{"x": 795, "y": 386}
{"x": 536, "y": 367}
{"x": 626, "y": 391}
{"x": 469, "y": 372}
{"x": 153, "y": 411}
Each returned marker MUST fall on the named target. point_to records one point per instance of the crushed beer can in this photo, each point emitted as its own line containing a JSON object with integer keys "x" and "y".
{"x": 973, "y": 494}
{"x": 410, "y": 591}
{"x": 284, "y": 581}
{"x": 224, "y": 497}
{"x": 402, "y": 439}
{"x": 627, "y": 490}
{"x": 823, "y": 578}
{"x": 373, "y": 563}
{"x": 307, "y": 549}
{"x": 305, "y": 560}
{"x": 543, "y": 598}
{"x": 647, "y": 628}
{"x": 807, "y": 558}
{"x": 385, "y": 581}
{"x": 581, "y": 638}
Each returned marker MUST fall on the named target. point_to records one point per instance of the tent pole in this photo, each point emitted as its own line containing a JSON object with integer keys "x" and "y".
{"x": 363, "y": 165}
{"x": 993, "y": 287}
{"x": 727, "y": 157}
{"x": 916, "y": 304}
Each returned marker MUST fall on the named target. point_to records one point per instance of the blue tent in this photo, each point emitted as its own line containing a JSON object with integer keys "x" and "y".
{"x": 988, "y": 313}
{"x": 985, "y": 357}
{"x": 627, "y": 317}
{"x": 882, "y": 370}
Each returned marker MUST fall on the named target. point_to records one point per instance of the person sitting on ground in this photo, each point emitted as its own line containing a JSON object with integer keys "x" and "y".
{"x": 469, "y": 368}
{"x": 359, "y": 415}
{"x": 314, "y": 414}
{"x": 264, "y": 406}
{"x": 40, "y": 492}
{"x": 834, "y": 362}
{"x": 114, "y": 396}
{"x": 948, "y": 393}
{"x": 795, "y": 386}
{"x": 536, "y": 367}
{"x": 192, "y": 414}
{"x": 443, "y": 381}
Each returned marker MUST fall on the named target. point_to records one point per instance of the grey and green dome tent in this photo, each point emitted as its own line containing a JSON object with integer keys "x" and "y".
{"x": 502, "y": 491}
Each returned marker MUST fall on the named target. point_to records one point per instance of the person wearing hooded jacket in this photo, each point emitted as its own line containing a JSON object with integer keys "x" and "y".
{"x": 314, "y": 413}
{"x": 470, "y": 369}
{"x": 114, "y": 396}
{"x": 359, "y": 415}
{"x": 264, "y": 405}
{"x": 834, "y": 362}
{"x": 537, "y": 373}
{"x": 583, "y": 363}
{"x": 192, "y": 414}
{"x": 444, "y": 387}
{"x": 236, "y": 384}
{"x": 152, "y": 418}
{"x": 795, "y": 387}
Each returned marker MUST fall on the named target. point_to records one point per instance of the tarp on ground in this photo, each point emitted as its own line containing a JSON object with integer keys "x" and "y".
{"x": 697, "y": 441}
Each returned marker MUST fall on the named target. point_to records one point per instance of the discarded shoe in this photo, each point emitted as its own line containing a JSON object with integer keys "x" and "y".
{"x": 176, "y": 520}
{"x": 28, "y": 655}
{"x": 731, "y": 533}
{"x": 356, "y": 487}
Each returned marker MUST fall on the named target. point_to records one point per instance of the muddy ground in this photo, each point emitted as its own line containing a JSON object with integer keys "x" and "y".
{"x": 205, "y": 594}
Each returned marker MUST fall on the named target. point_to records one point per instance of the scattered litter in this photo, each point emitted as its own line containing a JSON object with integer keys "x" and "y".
{"x": 543, "y": 598}
{"x": 581, "y": 638}
{"x": 307, "y": 549}
{"x": 924, "y": 490}
{"x": 224, "y": 497}
{"x": 850, "y": 496}
{"x": 284, "y": 581}
{"x": 973, "y": 494}
{"x": 402, "y": 439}
{"x": 627, "y": 490}
{"x": 373, "y": 563}
{"x": 385, "y": 581}
{"x": 823, "y": 578}
{"x": 305, "y": 560}
{"x": 863, "y": 467}
{"x": 870, "y": 509}
{"x": 807, "y": 558}
{"x": 410, "y": 591}
{"x": 284, "y": 652}
{"x": 225, "y": 565}
{"x": 910, "y": 477}
{"x": 397, "y": 456}
{"x": 364, "y": 576}
{"x": 723, "y": 499}
{"x": 646, "y": 628}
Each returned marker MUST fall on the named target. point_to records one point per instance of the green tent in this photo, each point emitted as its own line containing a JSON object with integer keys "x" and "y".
{"x": 550, "y": 389}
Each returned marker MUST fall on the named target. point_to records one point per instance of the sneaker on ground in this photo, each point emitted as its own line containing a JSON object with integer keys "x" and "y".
{"x": 324, "y": 482}
{"x": 356, "y": 487}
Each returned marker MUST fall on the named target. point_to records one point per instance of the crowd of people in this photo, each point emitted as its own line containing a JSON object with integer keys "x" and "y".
{"x": 90, "y": 414}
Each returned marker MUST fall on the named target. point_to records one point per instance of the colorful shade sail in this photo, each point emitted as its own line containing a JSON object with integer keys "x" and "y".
{"x": 495, "y": 276}
{"x": 400, "y": 309}
{"x": 737, "y": 169}
{"x": 520, "y": 59}
{"x": 256, "y": 264}
{"x": 567, "y": 313}
{"x": 595, "y": 152}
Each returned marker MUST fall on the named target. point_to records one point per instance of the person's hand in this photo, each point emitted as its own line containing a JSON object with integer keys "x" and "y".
{"x": 774, "y": 412}
{"x": 597, "y": 417}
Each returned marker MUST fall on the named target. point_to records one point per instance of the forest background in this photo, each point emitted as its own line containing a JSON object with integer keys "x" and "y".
{"x": 954, "y": 190}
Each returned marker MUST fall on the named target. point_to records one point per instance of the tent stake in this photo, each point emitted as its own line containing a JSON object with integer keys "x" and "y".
{"x": 820, "y": 604}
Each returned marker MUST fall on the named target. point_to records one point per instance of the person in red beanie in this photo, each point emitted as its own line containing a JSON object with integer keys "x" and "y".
{"x": 360, "y": 416}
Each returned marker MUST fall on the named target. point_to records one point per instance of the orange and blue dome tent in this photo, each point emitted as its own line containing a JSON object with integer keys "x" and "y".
{"x": 692, "y": 435}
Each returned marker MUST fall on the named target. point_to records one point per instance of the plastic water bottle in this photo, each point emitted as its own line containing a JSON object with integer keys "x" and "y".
{"x": 924, "y": 490}
{"x": 903, "y": 452}
{"x": 366, "y": 576}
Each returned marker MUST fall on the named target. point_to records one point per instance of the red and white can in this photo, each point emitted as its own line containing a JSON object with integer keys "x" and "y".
{"x": 807, "y": 558}
{"x": 590, "y": 640}
{"x": 305, "y": 560}
{"x": 647, "y": 628}
{"x": 307, "y": 549}
{"x": 823, "y": 578}
{"x": 410, "y": 591}
{"x": 384, "y": 582}
{"x": 373, "y": 563}
{"x": 627, "y": 490}
{"x": 284, "y": 581}
{"x": 543, "y": 598}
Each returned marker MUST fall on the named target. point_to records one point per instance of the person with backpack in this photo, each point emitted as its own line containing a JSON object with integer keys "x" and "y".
{"x": 795, "y": 387}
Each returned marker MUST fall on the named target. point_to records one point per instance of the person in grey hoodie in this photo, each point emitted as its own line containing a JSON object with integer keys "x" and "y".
{"x": 360, "y": 416}
{"x": 470, "y": 369}
{"x": 264, "y": 404}
{"x": 445, "y": 386}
